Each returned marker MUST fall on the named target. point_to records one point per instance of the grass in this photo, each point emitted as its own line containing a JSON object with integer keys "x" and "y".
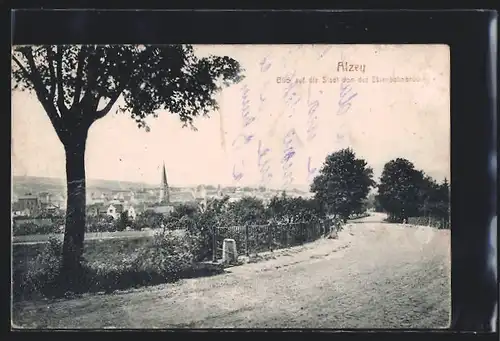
{"x": 35, "y": 238}
{"x": 109, "y": 265}
{"x": 95, "y": 250}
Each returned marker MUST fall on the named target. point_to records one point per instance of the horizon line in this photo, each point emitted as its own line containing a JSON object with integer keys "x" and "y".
{"x": 297, "y": 186}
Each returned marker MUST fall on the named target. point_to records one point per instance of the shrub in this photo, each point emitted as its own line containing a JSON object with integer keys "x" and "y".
{"x": 429, "y": 221}
{"x": 30, "y": 228}
{"x": 42, "y": 273}
{"x": 391, "y": 218}
{"x": 168, "y": 253}
{"x": 148, "y": 219}
{"x": 168, "y": 256}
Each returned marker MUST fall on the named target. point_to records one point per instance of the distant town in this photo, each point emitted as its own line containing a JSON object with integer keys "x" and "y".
{"x": 113, "y": 202}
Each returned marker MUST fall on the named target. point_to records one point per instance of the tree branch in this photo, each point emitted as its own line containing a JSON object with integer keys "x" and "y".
{"x": 41, "y": 93}
{"x": 91, "y": 80}
{"x": 60, "y": 91}
{"x": 23, "y": 69}
{"x": 50, "y": 59}
{"x": 79, "y": 75}
{"x": 107, "y": 108}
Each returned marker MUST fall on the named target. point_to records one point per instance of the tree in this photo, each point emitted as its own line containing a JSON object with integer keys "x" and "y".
{"x": 427, "y": 197}
{"x": 291, "y": 210}
{"x": 214, "y": 215}
{"x": 248, "y": 210}
{"x": 436, "y": 201}
{"x": 400, "y": 189}
{"x": 371, "y": 202}
{"x": 343, "y": 183}
{"x": 78, "y": 85}
{"x": 443, "y": 199}
{"x": 184, "y": 210}
{"x": 122, "y": 222}
{"x": 149, "y": 219}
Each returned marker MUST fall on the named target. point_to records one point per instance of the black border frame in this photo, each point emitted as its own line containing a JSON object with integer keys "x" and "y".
{"x": 466, "y": 32}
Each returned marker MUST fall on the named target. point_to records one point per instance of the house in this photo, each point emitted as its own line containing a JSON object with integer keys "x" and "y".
{"x": 59, "y": 200}
{"x": 182, "y": 197}
{"x": 19, "y": 213}
{"x": 49, "y": 208}
{"x": 44, "y": 198}
{"x": 114, "y": 210}
{"x": 118, "y": 195}
{"x": 96, "y": 210}
{"x": 132, "y": 213}
{"x": 96, "y": 198}
{"x": 28, "y": 204}
{"x": 163, "y": 209}
{"x": 116, "y": 202}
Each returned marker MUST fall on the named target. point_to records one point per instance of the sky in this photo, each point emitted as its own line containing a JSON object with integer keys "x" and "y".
{"x": 292, "y": 126}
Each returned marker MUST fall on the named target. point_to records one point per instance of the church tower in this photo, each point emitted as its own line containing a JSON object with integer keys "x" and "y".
{"x": 164, "y": 190}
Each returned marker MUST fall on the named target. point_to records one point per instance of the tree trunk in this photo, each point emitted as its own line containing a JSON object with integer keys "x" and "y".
{"x": 75, "y": 210}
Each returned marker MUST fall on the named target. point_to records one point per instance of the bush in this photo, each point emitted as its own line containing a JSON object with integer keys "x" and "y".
{"x": 168, "y": 253}
{"x": 359, "y": 215}
{"x": 168, "y": 256}
{"x": 391, "y": 218}
{"x": 429, "y": 221}
{"x": 148, "y": 219}
{"x": 42, "y": 272}
{"x": 31, "y": 228}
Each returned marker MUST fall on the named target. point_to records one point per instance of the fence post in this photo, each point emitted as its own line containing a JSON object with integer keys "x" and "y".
{"x": 270, "y": 236}
{"x": 214, "y": 245}
{"x": 287, "y": 233}
{"x": 247, "y": 253}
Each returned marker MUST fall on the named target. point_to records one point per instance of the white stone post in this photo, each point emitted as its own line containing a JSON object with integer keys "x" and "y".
{"x": 229, "y": 253}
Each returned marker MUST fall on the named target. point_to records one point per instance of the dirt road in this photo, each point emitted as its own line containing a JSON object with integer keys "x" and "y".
{"x": 375, "y": 275}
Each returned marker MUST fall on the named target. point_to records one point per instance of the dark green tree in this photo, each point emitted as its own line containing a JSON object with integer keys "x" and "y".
{"x": 149, "y": 219}
{"x": 343, "y": 183}
{"x": 184, "y": 210}
{"x": 122, "y": 222}
{"x": 248, "y": 210}
{"x": 442, "y": 201}
{"x": 285, "y": 209}
{"x": 78, "y": 85}
{"x": 400, "y": 192}
{"x": 370, "y": 202}
{"x": 427, "y": 196}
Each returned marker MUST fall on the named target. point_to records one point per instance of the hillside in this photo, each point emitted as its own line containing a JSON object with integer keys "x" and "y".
{"x": 25, "y": 184}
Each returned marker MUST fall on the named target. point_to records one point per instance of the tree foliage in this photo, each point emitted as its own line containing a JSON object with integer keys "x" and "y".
{"x": 248, "y": 210}
{"x": 435, "y": 199}
{"x": 183, "y": 210}
{"x": 77, "y": 85}
{"x": 122, "y": 222}
{"x": 405, "y": 191}
{"x": 148, "y": 219}
{"x": 285, "y": 209}
{"x": 399, "y": 191}
{"x": 149, "y": 78}
{"x": 343, "y": 183}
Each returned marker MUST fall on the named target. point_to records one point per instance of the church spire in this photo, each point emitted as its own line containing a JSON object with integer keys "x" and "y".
{"x": 164, "y": 190}
{"x": 164, "y": 176}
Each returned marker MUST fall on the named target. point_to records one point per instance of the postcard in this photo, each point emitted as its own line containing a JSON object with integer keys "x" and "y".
{"x": 231, "y": 186}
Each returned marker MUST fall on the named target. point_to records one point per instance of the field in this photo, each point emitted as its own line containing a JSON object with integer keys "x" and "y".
{"x": 376, "y": 275}
{"x": 42, "y": 238}
{"x": 95, "y": 249}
